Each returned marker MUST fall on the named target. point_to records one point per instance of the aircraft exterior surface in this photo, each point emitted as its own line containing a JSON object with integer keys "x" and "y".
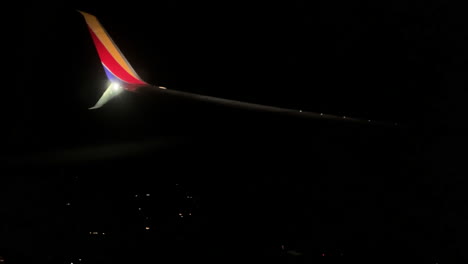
{"x": 122, "y": 77}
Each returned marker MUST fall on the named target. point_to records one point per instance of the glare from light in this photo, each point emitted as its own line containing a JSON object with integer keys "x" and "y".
{"x": 115, "y": 87}
{"x": 147, "y": 228}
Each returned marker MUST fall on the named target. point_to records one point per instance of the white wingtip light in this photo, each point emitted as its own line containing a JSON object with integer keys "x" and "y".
{"x": 115, "y": 87}
{"x": 112, "y": 91}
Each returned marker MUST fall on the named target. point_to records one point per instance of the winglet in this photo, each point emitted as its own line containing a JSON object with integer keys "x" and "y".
{"x": 116, "y": 66}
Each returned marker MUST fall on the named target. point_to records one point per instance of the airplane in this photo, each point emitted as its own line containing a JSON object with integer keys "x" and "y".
{"x": 123, "y": 77}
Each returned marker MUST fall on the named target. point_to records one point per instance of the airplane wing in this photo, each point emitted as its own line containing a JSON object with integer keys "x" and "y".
{"x": 124, "y": 78}
{"x": 258, "y": 107}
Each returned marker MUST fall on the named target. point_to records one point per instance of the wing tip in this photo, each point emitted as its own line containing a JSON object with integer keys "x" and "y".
{"x": 81, "y": 12}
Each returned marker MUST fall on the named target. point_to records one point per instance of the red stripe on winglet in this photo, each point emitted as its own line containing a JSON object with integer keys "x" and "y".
{"x": 111, "y": 63}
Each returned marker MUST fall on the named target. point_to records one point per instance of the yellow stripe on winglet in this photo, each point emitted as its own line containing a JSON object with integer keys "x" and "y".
{"x": 105, "y": 39}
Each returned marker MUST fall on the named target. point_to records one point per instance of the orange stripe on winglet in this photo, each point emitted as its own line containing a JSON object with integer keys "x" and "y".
{"x": 105, "y": 39}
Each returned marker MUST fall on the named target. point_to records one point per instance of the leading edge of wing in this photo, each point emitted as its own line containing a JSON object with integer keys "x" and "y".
{"x": 265, "y": 108}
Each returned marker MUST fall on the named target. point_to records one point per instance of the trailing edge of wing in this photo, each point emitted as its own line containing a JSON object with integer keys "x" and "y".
{"x": 265, "y": 108}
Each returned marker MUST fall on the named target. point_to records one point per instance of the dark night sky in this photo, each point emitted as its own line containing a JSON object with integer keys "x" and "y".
{"x": 400, "y": 62}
